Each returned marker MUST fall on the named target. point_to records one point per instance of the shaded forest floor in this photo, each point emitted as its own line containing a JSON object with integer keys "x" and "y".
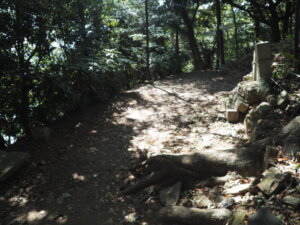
{"x": 75, "y": 177}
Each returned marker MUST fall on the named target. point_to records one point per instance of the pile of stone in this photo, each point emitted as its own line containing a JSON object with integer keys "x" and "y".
{"x": 234, "y": 202}
{"x": 263, "y": 110}
{"x": 254, "y": 88}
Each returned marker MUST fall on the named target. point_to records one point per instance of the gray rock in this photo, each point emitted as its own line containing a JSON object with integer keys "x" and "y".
{"x": 263, "y": 216}
{"x": 227, "y": 203}
{"x": 290, "y": 134}
{"x": 215, "y": 194}
{"x": 272, "y": 100}
{"x": 239, "y": 189}
{"x": 292, "y": 146}
{"x": 201, "y": 200}
{"x": 251, "y": 91}
{"x": 273, "y": 181}
{"x": 10, "y": 162}
{"x": 240, "y": 104}
{"x": 239, "y": 217}
{"x": 170, "y": 195}
{"x": 282, "y": 98}
{"x": 292, "y": 128}
{"x": 291, "y": 200}
{"x": 263, "y": 109}
{"x": 298, "y": 189}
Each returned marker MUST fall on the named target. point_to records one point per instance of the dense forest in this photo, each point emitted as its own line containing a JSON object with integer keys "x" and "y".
{"x": 146, "y": 112}
{"x": 57, "y": 56}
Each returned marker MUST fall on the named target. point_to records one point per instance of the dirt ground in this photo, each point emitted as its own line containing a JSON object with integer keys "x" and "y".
{"x": 74, "y": 178}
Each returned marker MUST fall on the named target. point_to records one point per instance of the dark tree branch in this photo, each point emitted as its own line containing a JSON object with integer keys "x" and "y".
{"x": 195, "y": 12}
{"x": 290, "y": 13}
{"x": 255, "y": 15}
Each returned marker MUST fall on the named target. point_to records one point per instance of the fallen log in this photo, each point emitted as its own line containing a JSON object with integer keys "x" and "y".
{"x": 194, "y": 216}
{"x": 247, "y": 161}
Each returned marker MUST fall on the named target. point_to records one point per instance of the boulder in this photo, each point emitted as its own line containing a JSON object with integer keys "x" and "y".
{"x": 292, "y": 128}
{"x": 290, "y": 136}
{"x": 10, "y": 162}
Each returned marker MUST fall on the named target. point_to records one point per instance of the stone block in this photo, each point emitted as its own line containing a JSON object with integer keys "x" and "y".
{"x": 10, "y": 162}
{"x": 241, "y": 106}
{"x": 262, "y": 62}
{"x": 263, "y": 51}
{"x": 232, "y": 115}
{"x": 250, "y": 91}
{"x": 264, "y": 70}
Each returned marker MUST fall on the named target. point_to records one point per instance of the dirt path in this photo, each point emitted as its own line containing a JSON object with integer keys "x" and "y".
{"x": 74, "y": 178}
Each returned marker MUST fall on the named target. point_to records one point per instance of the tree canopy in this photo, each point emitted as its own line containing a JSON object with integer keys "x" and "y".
{"x": 57, "y": 56}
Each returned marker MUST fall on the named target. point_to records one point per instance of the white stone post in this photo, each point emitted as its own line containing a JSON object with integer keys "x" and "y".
{"x": 263, "y": 62}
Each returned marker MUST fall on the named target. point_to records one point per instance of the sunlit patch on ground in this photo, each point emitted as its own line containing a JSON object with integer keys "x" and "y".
{"x": 75, "y": 178}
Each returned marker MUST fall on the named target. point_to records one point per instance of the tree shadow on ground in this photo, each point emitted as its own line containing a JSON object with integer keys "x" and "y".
{"x": 75, "y": 177}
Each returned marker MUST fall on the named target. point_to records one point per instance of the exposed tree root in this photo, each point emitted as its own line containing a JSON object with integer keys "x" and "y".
{"x": 194, "y": 216}
{"x": 247, "y": 161}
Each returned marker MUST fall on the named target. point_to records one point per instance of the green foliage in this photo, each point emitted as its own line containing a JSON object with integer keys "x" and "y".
{"x": 284, "y": 60}
{"x": 57, "y": 56}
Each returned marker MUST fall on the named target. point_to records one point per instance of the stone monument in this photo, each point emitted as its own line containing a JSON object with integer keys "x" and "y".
{"x": 254, "y": 88}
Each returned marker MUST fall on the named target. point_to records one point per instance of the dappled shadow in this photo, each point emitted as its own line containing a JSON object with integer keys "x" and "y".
{"x": 75, "y": 177}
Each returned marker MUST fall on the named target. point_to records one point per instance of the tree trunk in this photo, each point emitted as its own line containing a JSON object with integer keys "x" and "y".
{"x": 147, "y": 42}
{"x": 257, "y": 29}
{"x": 286, "y": 21}
{"x": 275, "y": 31}
{"x": 274, "y": 25}
{"x": 193, "y": 216}
{"x": 192, "y": 40}
{"x": 23, "y": 108}
{"x": 178, "y": 67}
{"x": 236, "y": 41}
{"x": 83, "y": 43}
{"x": 220, "y": 36}
{"x": 296, "y": 36}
